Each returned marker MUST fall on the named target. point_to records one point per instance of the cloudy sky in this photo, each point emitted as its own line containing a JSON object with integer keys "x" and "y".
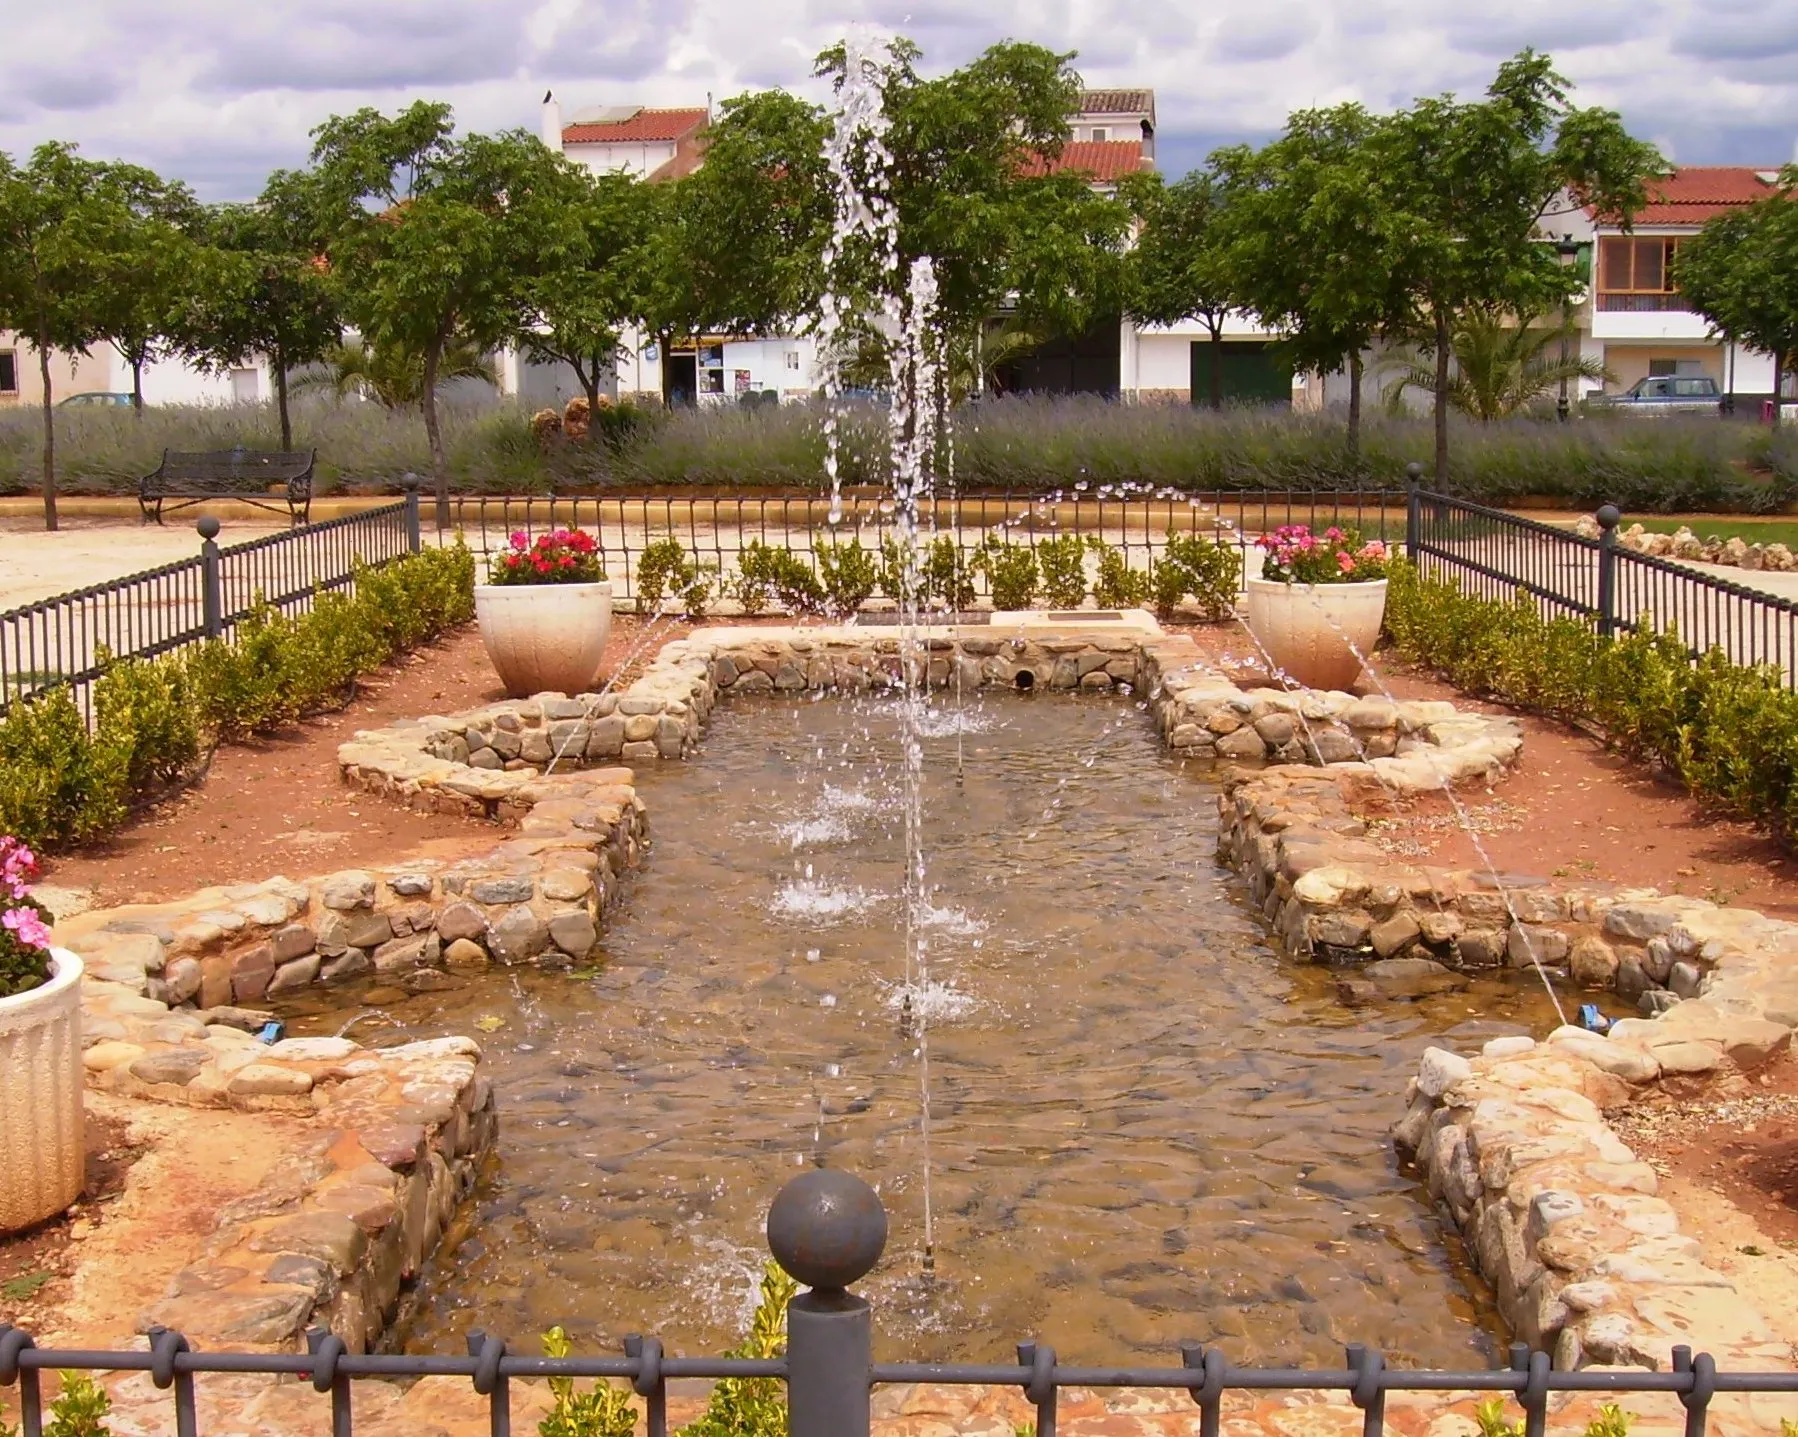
{"x": 217, "y": 92}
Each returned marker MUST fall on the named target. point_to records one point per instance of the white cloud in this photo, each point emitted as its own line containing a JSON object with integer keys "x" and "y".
{"x": 219, "y": 91}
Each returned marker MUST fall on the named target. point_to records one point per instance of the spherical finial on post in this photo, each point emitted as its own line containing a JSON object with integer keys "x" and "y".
{"x": 827, "y": 1229}
{"x": 1413, "y": 472}
{"x": 208, "y": 527}
{"x": 409, "y": 482}
{"x": 1608, "y": 516}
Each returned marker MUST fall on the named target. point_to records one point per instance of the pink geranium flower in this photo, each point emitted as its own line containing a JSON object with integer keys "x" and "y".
{"x": 25, "y": 925}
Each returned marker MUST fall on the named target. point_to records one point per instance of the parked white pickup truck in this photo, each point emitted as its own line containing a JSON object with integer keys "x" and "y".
{"x": 1663, "y": 394}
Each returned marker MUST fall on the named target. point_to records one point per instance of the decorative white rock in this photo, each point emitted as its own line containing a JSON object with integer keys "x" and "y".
{"x": 1307, "y": 628}
{"x": 545, "y": 637}
{"x": 42, "y": 1149}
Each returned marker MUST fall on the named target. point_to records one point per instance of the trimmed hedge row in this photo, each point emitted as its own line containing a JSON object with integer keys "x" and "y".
{"x": 153, "y": 718}
{"x": 1728, "y": 732}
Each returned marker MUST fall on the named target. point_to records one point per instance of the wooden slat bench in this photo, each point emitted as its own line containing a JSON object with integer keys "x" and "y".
{"x": 249, "y": 475}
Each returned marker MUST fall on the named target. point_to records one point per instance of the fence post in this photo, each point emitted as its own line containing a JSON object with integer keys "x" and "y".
{"x": 212, "y": 607}
{"x": 828, "y": 1229}
{"x": 1608, "y": 518}
{"x": 414, "y": 540}
{"x": 1413, "y": 509}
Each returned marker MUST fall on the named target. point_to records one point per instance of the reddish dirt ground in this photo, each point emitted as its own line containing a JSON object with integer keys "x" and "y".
{"x": 1740, "y": 1139}
{"x": 1571, "y": 810}
{"x": 276, "y": 805}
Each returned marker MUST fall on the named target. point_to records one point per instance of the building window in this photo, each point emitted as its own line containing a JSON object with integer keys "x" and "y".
{"x": 1635, "y": 274}
{"x": 793, "y": 359}
{"x": 1100, "y": 133}
{"x": 9, "y": 371}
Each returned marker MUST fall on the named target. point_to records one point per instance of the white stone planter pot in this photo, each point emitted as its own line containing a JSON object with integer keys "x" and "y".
{"x": 1303, "y": 628}
{"x": 545, "y": 636}
{"x": 43, "y": 1152}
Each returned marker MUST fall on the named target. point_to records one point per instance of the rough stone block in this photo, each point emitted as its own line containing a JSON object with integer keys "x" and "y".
{"x": 574, "y": 933}
{"x": 269, "y": 1080}
{"x": 509, "y": 889}
{"x": 346, "y": 891}
{"x": 461, "y": 920}
{"x": 1594, "y": 962}
{"x": 296, "y": 974}
{"x": 518, "y": 936}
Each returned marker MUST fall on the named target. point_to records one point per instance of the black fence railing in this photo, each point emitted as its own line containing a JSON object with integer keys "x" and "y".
{"x": 828, "y": 1229}
{"x": 62, "y": 640}
{"x": 1495, "y": 555}
{"x": 716, "y": 531}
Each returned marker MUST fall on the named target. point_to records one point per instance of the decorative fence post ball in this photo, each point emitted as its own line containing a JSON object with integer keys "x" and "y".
{"x": 827, "y": 1229}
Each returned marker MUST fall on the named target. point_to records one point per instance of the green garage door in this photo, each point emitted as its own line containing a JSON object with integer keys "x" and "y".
{"x": 1251, "y": 372}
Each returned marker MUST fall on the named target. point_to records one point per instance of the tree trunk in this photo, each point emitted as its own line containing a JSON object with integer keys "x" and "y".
{"x": 137, "y": 386}
{"x": 439, "y": 464}
{"x": 279, "y": 365}
{"x": 1354, "y": 424}
{"x": 1442, "y": 355}
{"x": 43, "y": 369}
{"x": 1217, "y": 364}
{"x": 664, "y": 341}
{"x": 590, "y": 383}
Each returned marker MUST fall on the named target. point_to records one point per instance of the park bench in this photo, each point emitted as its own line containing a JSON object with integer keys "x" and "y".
{"x": 249, "y": 475}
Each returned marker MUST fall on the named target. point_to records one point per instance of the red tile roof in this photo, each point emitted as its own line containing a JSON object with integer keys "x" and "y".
{"x": 1693, "y": 194}
{"x": 1102, "y": 160}
{"x": 646, "y": 126}
{"x": 1117, "y": 102}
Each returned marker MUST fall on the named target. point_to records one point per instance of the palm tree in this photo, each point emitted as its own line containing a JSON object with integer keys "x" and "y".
{"x": 392, "y": 376}
{"x": 1503, "y": 365}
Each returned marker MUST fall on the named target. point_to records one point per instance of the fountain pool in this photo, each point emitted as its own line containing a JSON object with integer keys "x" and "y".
{"x": 1147, "y": 1124}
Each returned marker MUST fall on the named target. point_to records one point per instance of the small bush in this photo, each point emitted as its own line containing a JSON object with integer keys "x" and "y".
{"x": 1118, "y": 585}
{"x": 766, "y": 573}
{"x": 947, "y": 578}
{"x": 1198, "y": 568}
{"x": 1011, "y": 570}
{"x": 602, "y": 1411}
{"x": 753, "y": 1406}
{"x": 664, "y": 572}
{"x": 1062, "y": 560}
{"x": 58, "y": 785}
{"x": 80, "y": 1409}
{"x": 144, "y": 710}
{"x": 850, "y": 576}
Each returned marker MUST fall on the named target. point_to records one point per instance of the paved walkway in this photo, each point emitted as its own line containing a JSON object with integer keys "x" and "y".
{"x": 35, "y": 565}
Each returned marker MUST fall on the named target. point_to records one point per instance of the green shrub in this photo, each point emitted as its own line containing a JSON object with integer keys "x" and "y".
{"x": 850, "y": 576}
{"x": 1062, "y": 560}
{"x": 1195, "y": 567}
{"x": 80, "y": 1409}
{"x": 602, "y": 1411}
{"x": 665, "y": 572}
{"x": 245, "y": 684}
{"x": 946, "y": 576}
{"x": 144, "y": 711}
{"x": 766, "y": 572}
{"x": 1011, "y": 570}
{"x": 753, "y": 1406}
{"x": 1118, "y": 585}
{"x": 1729, "y": 732}
{"x": 58, "y": 784}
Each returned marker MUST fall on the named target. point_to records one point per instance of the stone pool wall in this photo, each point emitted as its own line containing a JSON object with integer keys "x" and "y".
{"x": 336, "y": 1229}
{"x": 1586, "y": 1261}
{"x": 1711, "y": 982}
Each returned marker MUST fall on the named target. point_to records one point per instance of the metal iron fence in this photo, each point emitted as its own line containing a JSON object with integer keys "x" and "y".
{"x": 715, "y": 531}
{"x": 1495, "y": 555}
{"x": 63, "y": 640}
{"x": 828, "y": 1229}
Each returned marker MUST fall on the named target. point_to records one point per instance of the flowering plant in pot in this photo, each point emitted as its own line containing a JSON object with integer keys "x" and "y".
{"x": 1316, "y": 608}
{"x": 545, "y": 612}
{"x": 40, "y": 1054}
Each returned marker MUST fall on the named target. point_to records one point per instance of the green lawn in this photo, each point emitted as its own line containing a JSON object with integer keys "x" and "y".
{"x": 1763, "y": 531}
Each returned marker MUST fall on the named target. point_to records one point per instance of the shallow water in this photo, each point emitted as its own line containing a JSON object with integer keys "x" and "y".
{"x": 1147, "y": 1126}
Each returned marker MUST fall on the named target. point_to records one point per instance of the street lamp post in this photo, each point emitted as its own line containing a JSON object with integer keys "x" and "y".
{"x": 1566, "y": 251}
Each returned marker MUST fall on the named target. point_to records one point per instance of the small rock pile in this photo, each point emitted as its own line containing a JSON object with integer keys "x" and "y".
{"x": 1734, "y": 552}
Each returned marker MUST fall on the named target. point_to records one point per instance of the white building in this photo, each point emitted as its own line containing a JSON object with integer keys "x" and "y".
{"x": 103, "y": 370}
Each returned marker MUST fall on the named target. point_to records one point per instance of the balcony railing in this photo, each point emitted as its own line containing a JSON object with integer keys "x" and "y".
{"x": 1625, "y": 303}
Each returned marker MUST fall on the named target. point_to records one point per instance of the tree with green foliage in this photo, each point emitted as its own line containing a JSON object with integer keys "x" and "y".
{"x": 153, "y": 266}
{"x": 1309, "y": 247}
{"x": 1741, "y": 273}
{"x": 1179, "y": 268}
{"x": 1465, "y": 188}
{"x": 64, "y": 223}
{"x": 268, "y": 291}
{"x": 575, "y": 312}
{"x": 392, "y": 376}
{"x": 438, "y": 237}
